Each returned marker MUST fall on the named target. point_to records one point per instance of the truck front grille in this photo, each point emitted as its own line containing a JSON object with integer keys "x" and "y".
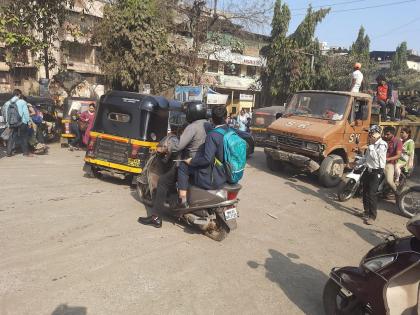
{"x": 292, "y": 142}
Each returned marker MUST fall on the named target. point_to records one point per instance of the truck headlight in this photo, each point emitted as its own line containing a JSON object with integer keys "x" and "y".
{"x": 312, "y": 146}
{"x": 378, "y": 263}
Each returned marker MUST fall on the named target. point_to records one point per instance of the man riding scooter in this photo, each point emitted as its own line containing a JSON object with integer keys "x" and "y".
{"x": 188, "y": 145}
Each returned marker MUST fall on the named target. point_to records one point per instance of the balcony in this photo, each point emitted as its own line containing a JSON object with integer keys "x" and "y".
{"x": 83, "y": 67}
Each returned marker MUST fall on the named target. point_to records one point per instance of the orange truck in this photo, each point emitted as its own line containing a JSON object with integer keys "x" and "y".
{"x": 320, "y": 131}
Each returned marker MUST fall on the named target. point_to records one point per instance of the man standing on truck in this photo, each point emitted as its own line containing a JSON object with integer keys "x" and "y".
{"x": 375, "y": 161}
{"x": 384, "y": 97}
{"x": 357, "y": 78}
{"x": 393, "y": 154}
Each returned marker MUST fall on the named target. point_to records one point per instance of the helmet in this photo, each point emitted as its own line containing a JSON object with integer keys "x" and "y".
{"x": 195, "y": 110}
{"x": 375, "y": 129}
{"x": 357, "y": 65}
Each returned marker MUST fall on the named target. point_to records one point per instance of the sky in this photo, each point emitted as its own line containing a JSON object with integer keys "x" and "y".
{"x": 387, "y": 22}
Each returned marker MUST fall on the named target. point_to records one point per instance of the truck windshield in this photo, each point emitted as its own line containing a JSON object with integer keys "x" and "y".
{"x": 318, "y": 105}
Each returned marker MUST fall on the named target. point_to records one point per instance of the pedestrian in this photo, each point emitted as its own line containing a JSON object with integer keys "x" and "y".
{"x": 242, "y": 120}
{"x": 357, "y": 78}
{"x": 375, "y": 160}
{"x": 17, "y": 119}
{"x": 75, "y": 129}
{"x": 393, "y": 154}
{"x": 406, "y": 160}
{"x": 384, "y": 98}
{"x": 88, "y": 118}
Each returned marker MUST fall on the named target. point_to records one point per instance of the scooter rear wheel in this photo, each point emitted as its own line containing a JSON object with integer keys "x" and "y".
{"x": 218, "y": 233}
{"x": 336, "y": 303}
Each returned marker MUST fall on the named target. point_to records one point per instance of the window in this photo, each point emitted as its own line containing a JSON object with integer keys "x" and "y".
{"x": 232, "y": 69}
{"x": 251, "y": 71}
{"x": 119, "y": 117}
{"x": 213, "y": 66}
{"x": 360, "y": 110}
{"x": 77, "y": 52}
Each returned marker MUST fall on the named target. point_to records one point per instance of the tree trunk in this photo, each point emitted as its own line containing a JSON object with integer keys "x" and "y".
{"x": 46, "y": 57}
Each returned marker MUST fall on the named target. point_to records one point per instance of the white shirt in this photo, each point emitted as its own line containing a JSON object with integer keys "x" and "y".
{"x": 357, "y": 76}
{"x": 375, "y": 157}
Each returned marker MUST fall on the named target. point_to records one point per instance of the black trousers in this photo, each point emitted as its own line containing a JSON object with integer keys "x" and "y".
{"x": 166, "y": 181}
{"x": 21, "y": 134}
{"x": 371, "y": 182}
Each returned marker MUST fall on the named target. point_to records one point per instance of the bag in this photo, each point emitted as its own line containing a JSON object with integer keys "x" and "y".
{"x": 13, "y": 117}
{"x": 234, "y": 150}
{"x": 5, "y": 135}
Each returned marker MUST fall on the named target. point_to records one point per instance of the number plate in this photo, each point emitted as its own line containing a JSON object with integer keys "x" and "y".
{"x": 134, "y": 162}
{"x": 231, "y": 214}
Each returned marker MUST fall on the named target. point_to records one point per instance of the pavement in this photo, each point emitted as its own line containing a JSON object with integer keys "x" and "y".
{"x": 72, "y": 245}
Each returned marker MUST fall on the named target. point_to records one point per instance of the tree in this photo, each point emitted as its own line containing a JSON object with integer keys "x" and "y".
{"x": 135, "y": 45}
{"x": 361, "y": 47}
{"x": 33, "y": 26}
{"x": 399, "y": 61}
{"x": 293, "y": 62}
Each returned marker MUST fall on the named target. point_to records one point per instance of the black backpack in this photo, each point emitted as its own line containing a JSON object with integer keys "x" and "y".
{"x": 13, "y": 117}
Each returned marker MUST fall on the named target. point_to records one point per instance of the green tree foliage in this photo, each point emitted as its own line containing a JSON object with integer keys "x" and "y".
{"x": 32, "y": 26}
{"x": 399, "y": 62}
{"x": 294, "y": 61}
{"x": 361, "y": 47}
{"x": 135, "y": 45}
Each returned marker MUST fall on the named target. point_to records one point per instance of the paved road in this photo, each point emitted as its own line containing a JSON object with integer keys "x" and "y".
{"x": 72, "y": 245}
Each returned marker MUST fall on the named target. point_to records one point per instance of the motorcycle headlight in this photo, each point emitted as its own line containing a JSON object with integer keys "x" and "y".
{"x": 378, "y": 263}
{"x": 312, "y": 146}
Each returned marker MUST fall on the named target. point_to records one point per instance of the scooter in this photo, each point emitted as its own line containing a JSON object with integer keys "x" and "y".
{"x": 214, "y": 212}
{"x": 387, "y": 281}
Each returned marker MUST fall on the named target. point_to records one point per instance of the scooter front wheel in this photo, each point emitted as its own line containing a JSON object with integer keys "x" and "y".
{"x": 347, "y": 189}
{"x": 336, "y": 303}
{"x": 143, "y": 194}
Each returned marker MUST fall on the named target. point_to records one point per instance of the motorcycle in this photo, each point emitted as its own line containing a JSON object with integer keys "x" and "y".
{"x": 351, "y": 186}
{"x": 214, "y": 212}
{"x": 387, "y": 281}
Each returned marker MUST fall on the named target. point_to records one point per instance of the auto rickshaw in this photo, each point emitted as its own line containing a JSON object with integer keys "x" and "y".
{"x": 79, "y": 104}
{"x": 261, "y": 119}
{"x": 127, "y": 127}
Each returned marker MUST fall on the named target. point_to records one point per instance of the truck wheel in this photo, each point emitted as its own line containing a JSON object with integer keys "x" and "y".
{"x": 331, "y": 170}
{"x": 273, "y": 165}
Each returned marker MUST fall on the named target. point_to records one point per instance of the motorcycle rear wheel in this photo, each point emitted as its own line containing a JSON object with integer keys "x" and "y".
{"x": 409, "y": 201}
{"x": 218, "y": 233}
{"x": 347, "y": 189}
{"x": 336, "y": 303}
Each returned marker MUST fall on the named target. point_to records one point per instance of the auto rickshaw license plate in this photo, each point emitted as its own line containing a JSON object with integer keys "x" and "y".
{"x": 231, "y": 214}
{"x": 134, "y": 162}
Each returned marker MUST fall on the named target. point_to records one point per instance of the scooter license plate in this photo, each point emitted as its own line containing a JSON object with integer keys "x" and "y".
{"x": 231, "y": 214}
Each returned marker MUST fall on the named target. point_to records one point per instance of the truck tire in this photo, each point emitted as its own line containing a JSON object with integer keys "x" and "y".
{"x": 331, "y": 170}
{"x": 273, "y": 165}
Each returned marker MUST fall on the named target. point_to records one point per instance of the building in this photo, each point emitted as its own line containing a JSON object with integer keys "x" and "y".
{"x": 384, "y": 59}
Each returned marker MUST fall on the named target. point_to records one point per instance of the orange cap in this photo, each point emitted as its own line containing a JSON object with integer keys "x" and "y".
{"x": 357, "y": 65}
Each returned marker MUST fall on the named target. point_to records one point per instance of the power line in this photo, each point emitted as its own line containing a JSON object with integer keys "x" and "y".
{"x": 330, "y": 5}
{"x": 365, "y": 8}
{"x": 397, "y": 28}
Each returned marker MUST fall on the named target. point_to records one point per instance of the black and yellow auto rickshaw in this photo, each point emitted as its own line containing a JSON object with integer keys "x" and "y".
{"x": 261, "y": 119}
{"x": 127, "y": 127}
{"x": 79, "y": 104}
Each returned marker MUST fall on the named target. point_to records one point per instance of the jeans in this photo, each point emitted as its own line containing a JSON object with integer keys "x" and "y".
{"x": 184, "y": 172}
{"x": 21, "y": 134}
{"x": 74, "y": 128}
{"x": 390, "y": 176}
{"x": 387, "y": 104}
{"x": 371, "y": 183}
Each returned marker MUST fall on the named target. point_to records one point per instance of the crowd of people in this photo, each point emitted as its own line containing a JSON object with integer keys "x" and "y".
{"x": 386, "y": 156}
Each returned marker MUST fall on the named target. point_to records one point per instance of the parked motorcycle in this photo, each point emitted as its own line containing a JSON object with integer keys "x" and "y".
{"x": 352, "y": 186}
{"x": 214, "y": 212}
{"x": 387, "y": 281}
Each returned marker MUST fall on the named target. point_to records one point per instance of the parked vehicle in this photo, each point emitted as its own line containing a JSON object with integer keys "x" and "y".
{"x": 80, "y": 104}
{"x": 319, "y": 129}
{"x": 127, "y": 127}
{"x": 261, "y": 119}
{"x": 213, "y": 212}
{"x": 386, "y": 282}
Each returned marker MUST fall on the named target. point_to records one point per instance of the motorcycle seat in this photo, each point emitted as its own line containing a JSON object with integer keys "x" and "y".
{"x": 232, "y": 187}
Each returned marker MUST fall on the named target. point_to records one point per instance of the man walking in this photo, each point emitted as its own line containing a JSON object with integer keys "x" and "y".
{"x": 375, "y": 160}
{"x": 17, "y": 118}
{"x": 357, "y": 78}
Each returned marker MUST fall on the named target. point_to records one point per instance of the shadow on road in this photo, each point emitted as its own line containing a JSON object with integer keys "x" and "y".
{"x": 302, "y": 283}
{"x": 64, "y": 309}
{"x": 368, "y": 235}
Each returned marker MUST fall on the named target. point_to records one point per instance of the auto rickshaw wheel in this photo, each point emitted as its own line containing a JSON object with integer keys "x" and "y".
{"x": 96, "y": 173}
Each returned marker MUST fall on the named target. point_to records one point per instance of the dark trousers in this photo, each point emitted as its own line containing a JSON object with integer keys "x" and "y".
{"x": 184, "y": 172}
{"x": 371, "y": 182}
{"x": 74, "y": 128}
{"x": 384, "y": 106}
{"x": 166, "y": 181}
{"x": 21, "y": 135}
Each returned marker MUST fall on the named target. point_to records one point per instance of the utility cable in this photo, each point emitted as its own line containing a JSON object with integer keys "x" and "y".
{"x": 329, "y": 5}
{"x": 397, "y": 28}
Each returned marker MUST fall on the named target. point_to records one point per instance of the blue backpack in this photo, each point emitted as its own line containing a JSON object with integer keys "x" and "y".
{"x": 234, "y": 150}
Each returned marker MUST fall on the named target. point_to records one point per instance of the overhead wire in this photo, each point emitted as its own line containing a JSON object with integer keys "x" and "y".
{"x": 329, "y": 5}
{"x": 397, "y": 28}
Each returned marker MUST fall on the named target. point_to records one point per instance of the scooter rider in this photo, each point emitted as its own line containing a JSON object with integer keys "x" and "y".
{"x": 375, "y": 161}
{"x": 189, "y": 143}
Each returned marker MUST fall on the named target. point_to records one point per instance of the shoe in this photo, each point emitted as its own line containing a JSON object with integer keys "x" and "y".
{"x": 183, "y": 205}
{"x": 369, "y": 221}
{"x": 153, "y": 220}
